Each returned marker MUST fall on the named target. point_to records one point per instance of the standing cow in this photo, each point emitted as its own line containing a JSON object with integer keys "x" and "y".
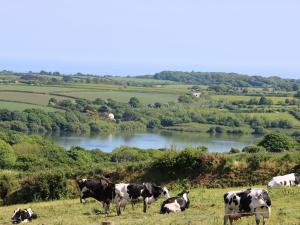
{"x": 176, "y": 204}
{"x": 288, "y": 180}
{"x": 247, "y": 203}
{"x": 99, "y": 189}
{"x": 133, "y": 193}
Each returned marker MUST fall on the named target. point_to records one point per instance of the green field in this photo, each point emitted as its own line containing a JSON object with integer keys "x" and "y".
{"x": 40, "y": 95}
{"x": 232, "y": 98}
{"x": 22, "y": 106}
{"x": 206, "y": 208}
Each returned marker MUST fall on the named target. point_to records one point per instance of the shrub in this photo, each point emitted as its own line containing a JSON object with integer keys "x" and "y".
{"x": 253, "y": 149}
{"x": 42, "y": 186}
{"x": 7, "y": 155}
{"x": 234, "y": 150}
{"x": 276, "y": 142}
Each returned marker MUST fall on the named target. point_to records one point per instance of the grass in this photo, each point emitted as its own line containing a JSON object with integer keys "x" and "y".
{"x": 206, "y": 208}
{"x": 26, "y": 97}
{"x": 232, "y": 98}
{"x": 123, "y": 96}
{"x": 22, "y": 106}
{"x": 41, "y": 94}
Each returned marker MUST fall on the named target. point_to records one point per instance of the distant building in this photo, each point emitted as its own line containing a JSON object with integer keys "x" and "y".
{"x": 196, "y": 94}
{"x": 111, "y": 116}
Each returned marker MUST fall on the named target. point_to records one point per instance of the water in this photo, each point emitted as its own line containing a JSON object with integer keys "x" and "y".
{"x": 159, "y": 139}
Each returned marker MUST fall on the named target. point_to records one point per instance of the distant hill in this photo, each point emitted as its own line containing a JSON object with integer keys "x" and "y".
{"x": 234, "y": 79}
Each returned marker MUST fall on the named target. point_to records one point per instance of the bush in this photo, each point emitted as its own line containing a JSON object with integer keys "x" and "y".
{"x": 42, "y": 186}
{"x": 234, "y": 150}
{"x": 253, "y": 149}
{"x": 7, "y": 155}
{"x": 276, "y": 142}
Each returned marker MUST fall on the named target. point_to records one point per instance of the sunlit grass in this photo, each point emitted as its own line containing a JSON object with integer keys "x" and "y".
{"x": 206, "y": 208}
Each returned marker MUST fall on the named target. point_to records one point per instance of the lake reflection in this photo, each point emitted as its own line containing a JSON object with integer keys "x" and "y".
{"x": 159, "y": 139}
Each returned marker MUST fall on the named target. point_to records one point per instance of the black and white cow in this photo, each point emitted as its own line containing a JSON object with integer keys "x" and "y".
{"x": 23, "y": 216}
{"x": 133, "y": 193}
{"x": 247, "y": 203}
{"x": 99, "y": 189}
{"x": 288, "y": 180}
{"x": 176, "y": 204}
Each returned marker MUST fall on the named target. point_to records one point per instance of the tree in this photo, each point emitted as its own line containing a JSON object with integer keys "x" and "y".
{"x": 7, "y": 155}
{"x": 264, "y": 101}
{"x": 275, "y": 142}
{"x": 297, "y": 95}
{"x": 134, "y": 102}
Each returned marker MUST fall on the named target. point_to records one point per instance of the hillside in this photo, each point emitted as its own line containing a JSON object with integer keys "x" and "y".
{"x": 233, "y": 79}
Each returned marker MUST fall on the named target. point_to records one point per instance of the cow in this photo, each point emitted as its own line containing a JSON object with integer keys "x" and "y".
{"x": 133, "y": 193}
{"x": 288, "y": 180}
{"x": 23, "y": 216}
{"x": 100, "y": 189}
{"x": 247, "y": 203}
{"x": 176, "y": 204}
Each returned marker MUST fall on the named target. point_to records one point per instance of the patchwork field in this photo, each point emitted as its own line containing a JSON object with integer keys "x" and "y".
{"x": 206, "y": 208}
{"x": 40, "y": 95}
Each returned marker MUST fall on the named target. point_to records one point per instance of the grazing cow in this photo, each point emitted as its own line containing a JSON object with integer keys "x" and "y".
{"x": 176, "y": 204}
{"x": 292, "y": 179}
{"x": 99, "y": 189}
{"x": 133, "y": 193}
{"x": 23, "y": 216}
{"x": 247, "y": 203}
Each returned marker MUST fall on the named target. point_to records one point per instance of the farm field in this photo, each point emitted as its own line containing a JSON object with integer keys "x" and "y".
{"x": 232, "y": 98}
{"x": 22, "y": 106}
{"x": 206, "y": 208}
{"x": 40, "y": 95}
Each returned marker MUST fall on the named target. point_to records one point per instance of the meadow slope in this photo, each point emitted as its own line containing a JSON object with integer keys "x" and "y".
{"x": 206, "y": 208}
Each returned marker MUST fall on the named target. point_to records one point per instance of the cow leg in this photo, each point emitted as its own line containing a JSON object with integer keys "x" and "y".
{"x": 145, "y": 206}
{"x": 106, "y": 207}
{"x": 226, "y": 219}
{"x": 257, "y": 218}
{"x": 265, "y": 221}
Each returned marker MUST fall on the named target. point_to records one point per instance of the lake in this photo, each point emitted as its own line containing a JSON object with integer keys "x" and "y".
{"x": 159, "y": 139}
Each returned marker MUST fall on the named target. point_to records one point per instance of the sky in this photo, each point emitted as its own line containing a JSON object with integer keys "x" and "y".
{"x": 136, "y": 37}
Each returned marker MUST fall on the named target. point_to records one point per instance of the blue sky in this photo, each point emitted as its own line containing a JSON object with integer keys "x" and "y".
{"x": 147, "y": 36}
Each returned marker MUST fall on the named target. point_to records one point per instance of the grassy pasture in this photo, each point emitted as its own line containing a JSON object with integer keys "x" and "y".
{"x": 232, "y": 98}
{"x": 123, "y": 96}
{"x": 22, "y": 106}
{"x": 26, "y": 97}
{"x": 275, "y": 117}
{"x": 206, "y": 208}
{"x": 92, "y": 91}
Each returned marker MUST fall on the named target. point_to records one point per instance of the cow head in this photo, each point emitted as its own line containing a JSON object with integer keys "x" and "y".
{"x": 165, "y": 192}
{"x": 260, "y": 201}
{"x": 19, "y": 215}
{"x": 273, "y": 183}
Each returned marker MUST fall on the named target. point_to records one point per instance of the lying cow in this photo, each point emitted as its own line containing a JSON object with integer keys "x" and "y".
{"x": 23, "y": 216}
{"x": 176, "y": 204}
{"x": 99, "y": 189}
{"x": 133, "y": 193}
{"x": 246, "y": 203}
{"x": 292, "y": 179}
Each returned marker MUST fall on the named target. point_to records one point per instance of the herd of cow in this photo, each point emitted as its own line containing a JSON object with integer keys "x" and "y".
{"x": 255, "y": 201}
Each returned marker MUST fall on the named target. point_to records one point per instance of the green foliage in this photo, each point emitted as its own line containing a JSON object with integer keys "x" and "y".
{"x": 41, "y": 186}
{"x": 276, "y": 142}
{"x": 7, "y": 155}
{"x": 134, "y": 102}
{"x": 253, "y": 149}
